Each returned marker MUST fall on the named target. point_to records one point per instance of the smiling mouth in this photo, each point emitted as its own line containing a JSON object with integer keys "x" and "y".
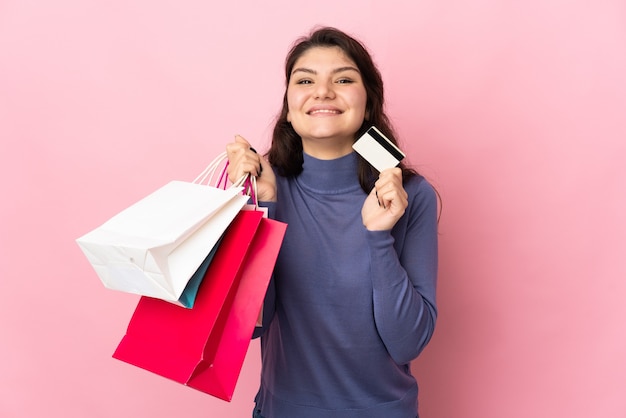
{"x": 324, "y": 111}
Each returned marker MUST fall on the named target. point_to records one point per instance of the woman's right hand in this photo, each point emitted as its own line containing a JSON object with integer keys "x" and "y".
{"x": 243, "y": 159}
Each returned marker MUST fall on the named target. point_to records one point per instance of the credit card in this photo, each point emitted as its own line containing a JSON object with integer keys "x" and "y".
{"x": 378, "y": 150}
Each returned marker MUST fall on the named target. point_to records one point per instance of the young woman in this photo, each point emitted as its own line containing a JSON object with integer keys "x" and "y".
{"x": 352, "y": 300}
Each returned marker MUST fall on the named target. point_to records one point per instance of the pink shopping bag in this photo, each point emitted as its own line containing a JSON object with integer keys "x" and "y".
{"x": 204, "y": 347}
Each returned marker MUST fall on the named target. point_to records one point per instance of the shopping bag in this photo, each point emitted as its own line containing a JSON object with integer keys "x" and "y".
{"x": 190, "y": 345}
{"x": 228, "y": 344}
{"x": 154, "y": 247}
{"x": 188, "y": 297}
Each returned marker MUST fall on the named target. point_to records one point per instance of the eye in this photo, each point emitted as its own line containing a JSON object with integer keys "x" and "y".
{"x": 304, "y": 81}
{"x": 345, "y": 81}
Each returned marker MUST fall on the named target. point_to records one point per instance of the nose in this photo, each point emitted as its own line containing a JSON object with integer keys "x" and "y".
{"x": 324, "y": 90}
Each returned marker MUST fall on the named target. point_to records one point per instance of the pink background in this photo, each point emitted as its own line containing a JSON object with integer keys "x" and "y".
{"x": 516, "y": 112}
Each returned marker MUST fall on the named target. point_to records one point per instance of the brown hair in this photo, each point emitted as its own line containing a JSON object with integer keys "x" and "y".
{"x": 285, "y": 153}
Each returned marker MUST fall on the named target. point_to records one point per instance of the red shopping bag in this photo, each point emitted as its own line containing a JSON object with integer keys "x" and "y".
{"x": 184, "y": 344}
{"x": 231, "y": 336}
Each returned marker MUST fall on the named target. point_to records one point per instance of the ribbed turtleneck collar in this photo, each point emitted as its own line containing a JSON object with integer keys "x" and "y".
{"x": 330, "y": 176}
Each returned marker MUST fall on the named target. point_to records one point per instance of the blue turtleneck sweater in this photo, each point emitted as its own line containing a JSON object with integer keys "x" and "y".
{"x": 348, "y": 308}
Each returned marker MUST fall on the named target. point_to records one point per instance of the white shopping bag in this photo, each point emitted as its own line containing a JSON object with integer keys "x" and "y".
{"x": 153, "y": 247}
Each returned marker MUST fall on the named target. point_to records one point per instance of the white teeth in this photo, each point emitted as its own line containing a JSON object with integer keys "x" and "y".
{"x": 324, "y": 111}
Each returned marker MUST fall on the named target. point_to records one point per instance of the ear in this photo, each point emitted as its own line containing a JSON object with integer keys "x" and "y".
{"x": 367, "y": 115}
{"x": 288, "y": 117}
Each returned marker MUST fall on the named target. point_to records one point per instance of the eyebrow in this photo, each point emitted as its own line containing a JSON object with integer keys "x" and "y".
{"x": 335, "y": 71}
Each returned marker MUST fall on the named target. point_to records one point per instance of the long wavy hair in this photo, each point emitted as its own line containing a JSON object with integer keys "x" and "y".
{"x": 285, "y": 152}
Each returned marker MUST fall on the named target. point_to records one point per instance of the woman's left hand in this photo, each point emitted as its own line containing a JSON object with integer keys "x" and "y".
{"x": 386, "y": 203}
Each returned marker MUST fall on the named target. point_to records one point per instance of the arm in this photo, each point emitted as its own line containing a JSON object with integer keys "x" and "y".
{"x": 403, "y": 264}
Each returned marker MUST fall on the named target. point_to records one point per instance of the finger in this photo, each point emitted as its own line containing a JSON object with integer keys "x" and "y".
{"x": 239, "y": 146}
{"x": 241, "y": 140}
{"x": 388, "y": 179}
{"x": 251, "y": 164}
{"x": 382, "y": 189}
{"x": 384, "y": 199}
{"x": 399, "y": 200}
{"x": 391, "y": 194}
{"x": 238, "y": 165}
{"x": 242, "y": 159}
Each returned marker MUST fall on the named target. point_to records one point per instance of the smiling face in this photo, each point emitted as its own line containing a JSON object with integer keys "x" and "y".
{"x": 326, "y": 101}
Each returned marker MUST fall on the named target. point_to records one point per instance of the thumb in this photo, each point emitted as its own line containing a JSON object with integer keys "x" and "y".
{"x": 241, "y": 140}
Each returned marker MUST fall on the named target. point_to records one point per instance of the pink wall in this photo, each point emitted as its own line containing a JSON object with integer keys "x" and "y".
{"x": 515, "y": 110}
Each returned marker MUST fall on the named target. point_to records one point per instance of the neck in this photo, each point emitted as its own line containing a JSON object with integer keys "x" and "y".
{"x": 330, "y": 176}
{"x": 327, "y": 148}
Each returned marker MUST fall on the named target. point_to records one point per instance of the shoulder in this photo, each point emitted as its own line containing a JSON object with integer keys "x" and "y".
{"x": 422, "y": 195}
{"x": 419, "y": 188}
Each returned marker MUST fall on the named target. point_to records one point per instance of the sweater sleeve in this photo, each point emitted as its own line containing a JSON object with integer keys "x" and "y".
{"x": 403, "y": 265}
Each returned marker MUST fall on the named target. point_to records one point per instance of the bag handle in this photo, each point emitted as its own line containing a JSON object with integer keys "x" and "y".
{"x": 251, "y": 190}
{"x": 246, "y": 181}
{"x": 207, "y": 174}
